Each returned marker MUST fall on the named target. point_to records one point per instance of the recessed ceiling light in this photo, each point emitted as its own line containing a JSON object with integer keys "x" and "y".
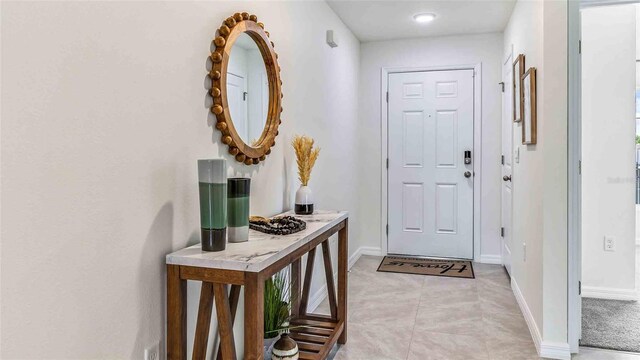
{"x": 424, "y": 17}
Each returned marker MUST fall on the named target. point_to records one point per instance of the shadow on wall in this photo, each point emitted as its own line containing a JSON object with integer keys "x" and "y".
{"x": 151, "y": 280}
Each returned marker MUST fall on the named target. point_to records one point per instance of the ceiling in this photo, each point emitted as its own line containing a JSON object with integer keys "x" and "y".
{"x": 387, "y": 20}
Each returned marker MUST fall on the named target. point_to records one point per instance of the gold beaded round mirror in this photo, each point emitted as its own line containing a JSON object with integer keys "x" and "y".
{"x": 246, "y": 88}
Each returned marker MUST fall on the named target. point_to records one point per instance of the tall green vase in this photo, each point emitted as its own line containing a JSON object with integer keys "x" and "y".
{"x": 212, "y": 178}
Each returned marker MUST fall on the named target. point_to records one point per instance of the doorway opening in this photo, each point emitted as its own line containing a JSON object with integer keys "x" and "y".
{"x": 606, "y": 312}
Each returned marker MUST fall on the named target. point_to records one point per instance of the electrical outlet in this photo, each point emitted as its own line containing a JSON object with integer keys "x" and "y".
{"x": 152, "y": 352}
{"x": 609, "y": 243}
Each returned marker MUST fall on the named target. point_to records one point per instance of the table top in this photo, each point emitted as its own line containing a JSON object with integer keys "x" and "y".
{"x": 262, "y": 249}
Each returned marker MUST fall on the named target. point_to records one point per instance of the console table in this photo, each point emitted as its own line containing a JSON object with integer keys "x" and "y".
{"x": 249, "y": 264}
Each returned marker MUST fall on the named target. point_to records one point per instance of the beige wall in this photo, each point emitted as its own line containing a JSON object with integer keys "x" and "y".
{"x": 539, "y": 30}
{"x": 104, "y": 115}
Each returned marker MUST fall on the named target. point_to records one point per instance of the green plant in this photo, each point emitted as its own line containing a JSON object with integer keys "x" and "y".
{"x": 277, "y": 304}
{"x": 637, "y": 139}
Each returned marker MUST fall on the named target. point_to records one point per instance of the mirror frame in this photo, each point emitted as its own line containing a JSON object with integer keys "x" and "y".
{"x": 226, "y": 36}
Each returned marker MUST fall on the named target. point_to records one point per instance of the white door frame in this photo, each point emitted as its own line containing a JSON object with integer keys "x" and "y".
{"x": 574, "y": 207}
{"x": 477, "y": 146}
{"x": 508, "y": 59}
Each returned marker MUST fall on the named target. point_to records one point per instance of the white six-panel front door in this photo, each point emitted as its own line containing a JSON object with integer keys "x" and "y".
{"x": 430, "y": 190}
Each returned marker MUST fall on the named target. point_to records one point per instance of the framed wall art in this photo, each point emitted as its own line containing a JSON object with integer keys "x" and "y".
{"x": 529, "y": 116}
{"x": 518, "y": 73}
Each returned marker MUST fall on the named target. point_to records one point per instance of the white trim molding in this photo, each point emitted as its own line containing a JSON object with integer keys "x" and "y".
{"x": 552, "y": 350}
{"x": 528, "y": 316}
{"x": 609, "y": 293}
{"x": 318, "y": 297}
{"x": 545, "y": 349}
{"x": 364, "y": 250}
{"x": 574, "y": 199}
{"x": 491, "y": 259}
{"x": 477, "y": 147}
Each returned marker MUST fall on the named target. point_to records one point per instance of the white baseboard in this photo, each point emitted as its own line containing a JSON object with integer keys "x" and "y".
{"x": 318, "y": 297}
{"x": 551, "y": 350}
{"x": 528, "y": 317}
{"x": 609, "y": 293}
{"x": 545, "y": 349}
{"x": 491, "y": 259}
{"x": 371, "y": 250}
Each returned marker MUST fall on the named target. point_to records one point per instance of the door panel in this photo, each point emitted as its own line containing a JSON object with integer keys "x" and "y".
{"x": 446, "y": 212}
{"x": 413, "y": 146}
{"x": 430, "y": 199}
{"x": 413, "y": 207}
{"x": 446, "y": 144}
{"x": 507, "y": 166}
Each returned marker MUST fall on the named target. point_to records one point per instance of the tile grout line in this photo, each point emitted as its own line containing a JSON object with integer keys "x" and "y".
{"x": 415, "y": 319}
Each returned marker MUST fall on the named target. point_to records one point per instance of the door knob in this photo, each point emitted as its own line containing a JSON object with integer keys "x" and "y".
{"x": 467, "y": 174}
{"x": 506, "y": 178}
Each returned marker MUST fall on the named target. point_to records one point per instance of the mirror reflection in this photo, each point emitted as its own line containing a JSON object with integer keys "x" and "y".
{"x": 247, "y": 89}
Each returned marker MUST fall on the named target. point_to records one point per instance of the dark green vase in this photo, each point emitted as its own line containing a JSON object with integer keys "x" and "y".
{"x": 238, "y": 208}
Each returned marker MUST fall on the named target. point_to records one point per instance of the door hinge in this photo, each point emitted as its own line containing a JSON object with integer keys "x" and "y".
{"x": 579, "y": 46}
{"x": 387, "y": 230}
{"x": 387, "y": 163}
{"x": 579, "y": 167}
{"x": 579, "y": 287}
{"x": 501, "y": 232}
{"x": 502, "y": 159}
{"x": 501, "y": 83}
{"x": 387, "y": 96}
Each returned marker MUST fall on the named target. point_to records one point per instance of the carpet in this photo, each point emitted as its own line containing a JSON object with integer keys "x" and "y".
{"x": 425, "y": 266}
{"x": 611, "y": 324}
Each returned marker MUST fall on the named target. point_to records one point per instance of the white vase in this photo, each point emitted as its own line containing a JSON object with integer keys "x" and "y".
{"x": 304, "y": 201}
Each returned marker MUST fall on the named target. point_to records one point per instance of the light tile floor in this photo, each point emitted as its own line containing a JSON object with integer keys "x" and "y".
{"x": 401, "y": 316}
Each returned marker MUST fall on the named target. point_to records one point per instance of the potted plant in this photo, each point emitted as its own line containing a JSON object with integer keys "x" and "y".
{"x": 277, "y": 309}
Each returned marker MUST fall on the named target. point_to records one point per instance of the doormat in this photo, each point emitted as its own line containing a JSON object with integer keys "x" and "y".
{"x": 611, "y": 324}
{"x": 425, "y": 266}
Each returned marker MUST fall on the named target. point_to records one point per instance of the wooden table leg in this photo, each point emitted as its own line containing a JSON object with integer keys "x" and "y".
{"x": 296, "y": 279}
{"x": 328, "y": 271}
{"x": 308, "y": 276}
{"x": 234, "y": 297}
{"x": 225, "y": 322}
{"x": 343, "y": 256}
{"x": 253, "y": 317}
{"x": 203, "y": 323}
{"x": 176, "y": 314}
